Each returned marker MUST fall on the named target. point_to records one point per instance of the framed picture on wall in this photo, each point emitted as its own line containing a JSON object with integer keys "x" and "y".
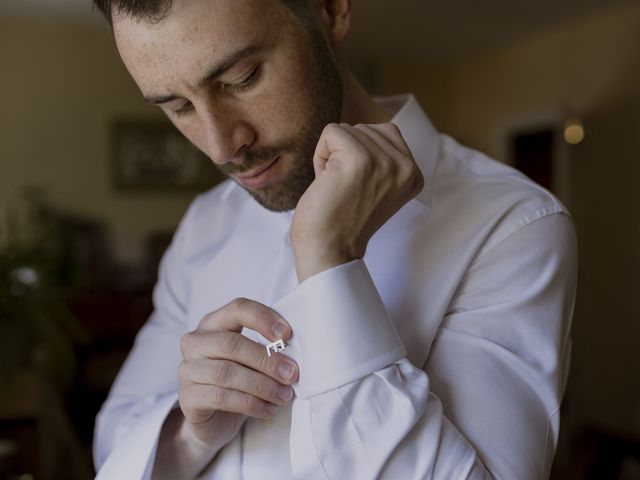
{"x": 153, "y": 155}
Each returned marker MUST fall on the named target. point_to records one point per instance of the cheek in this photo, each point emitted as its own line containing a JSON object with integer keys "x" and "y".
{"x": 286, "y": 102}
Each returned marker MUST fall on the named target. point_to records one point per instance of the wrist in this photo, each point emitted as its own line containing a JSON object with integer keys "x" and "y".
{"x": 187, "y": 438}
{"x": 180, "y": 453}
{"x": 309, "y": 264}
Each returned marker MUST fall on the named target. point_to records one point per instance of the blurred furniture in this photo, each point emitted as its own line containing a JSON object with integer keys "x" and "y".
{"x": 111, "y": 308}
{"x": 608, "y": 455}
{"x": 33, "y": 421}
{"x": 598, "y": 453}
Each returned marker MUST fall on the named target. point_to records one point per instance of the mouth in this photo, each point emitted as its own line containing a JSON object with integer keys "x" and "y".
{"x": 260, "y": 176}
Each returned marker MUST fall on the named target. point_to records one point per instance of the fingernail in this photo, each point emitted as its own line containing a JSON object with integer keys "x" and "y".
{"x": 285, "y": 371}
{"x": 285, "y": 393}
{"x": 272, "y": 409}
{"x": 279, "y": 330}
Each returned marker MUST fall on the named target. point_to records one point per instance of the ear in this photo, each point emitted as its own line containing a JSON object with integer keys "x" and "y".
{"x": 336, "y": 17}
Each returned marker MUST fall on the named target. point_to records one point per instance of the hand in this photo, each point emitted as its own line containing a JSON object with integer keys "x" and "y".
{"x": 364, "y": 175}
{"x": 226, "y": 377}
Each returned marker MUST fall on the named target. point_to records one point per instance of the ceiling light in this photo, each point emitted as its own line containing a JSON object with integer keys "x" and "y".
{"x": 573, "y": 131}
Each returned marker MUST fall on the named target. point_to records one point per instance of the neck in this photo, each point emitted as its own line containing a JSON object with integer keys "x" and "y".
{"x": 358, "y": 106}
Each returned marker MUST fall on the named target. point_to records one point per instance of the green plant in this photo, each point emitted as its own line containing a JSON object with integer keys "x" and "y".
{"x": 36, "y": 328}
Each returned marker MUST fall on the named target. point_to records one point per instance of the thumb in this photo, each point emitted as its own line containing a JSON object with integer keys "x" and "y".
{"x": 329, "y": 143}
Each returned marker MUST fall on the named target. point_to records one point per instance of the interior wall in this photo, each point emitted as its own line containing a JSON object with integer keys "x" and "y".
{"x": 605, "y": 387}
{"x": 590, "y": 68}
{"x": 62, "y": 85}
{"x": 566, "y": 71}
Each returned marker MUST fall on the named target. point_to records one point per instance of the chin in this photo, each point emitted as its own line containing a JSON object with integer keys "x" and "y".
{"x": 276, "y": 201}
{"x": 284, "y": 195}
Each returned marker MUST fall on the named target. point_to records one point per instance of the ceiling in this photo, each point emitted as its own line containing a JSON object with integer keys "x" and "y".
{"x": 428, "y": 29}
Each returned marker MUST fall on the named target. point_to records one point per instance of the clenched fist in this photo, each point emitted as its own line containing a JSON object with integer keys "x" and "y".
{"x": 364, "y": 175}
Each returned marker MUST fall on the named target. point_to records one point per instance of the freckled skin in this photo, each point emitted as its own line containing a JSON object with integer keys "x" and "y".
{"x": 298, "y": 91}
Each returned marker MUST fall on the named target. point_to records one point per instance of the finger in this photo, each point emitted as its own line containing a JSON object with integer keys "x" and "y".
{"x": 244, "y": 313}
{"x": 392, "y": 133}
{"x": 382, "y": 142}
{"x": 226, "y": 374}
{"x": 382, "y": 156}
{"x": 199, "y": 402}
{"x": 237, "y": 348}
{"x": 408, "y": 173}
{"x": 335, "y": 138}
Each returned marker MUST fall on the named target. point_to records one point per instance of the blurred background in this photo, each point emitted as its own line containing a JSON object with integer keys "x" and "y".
{"x": 93, "y": 183}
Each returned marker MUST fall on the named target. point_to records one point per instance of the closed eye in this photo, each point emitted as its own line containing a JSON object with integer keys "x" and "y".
{"x": 184, "y": 109}
{"x": 249, "y": 80}
{"x": 240, "y": 86}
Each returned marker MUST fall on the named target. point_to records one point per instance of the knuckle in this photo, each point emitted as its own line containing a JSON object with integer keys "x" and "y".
{"x": 253, "y": 405}
{"x": 406, "y": 173}
{"x": 264, "y": 389}
{"x": 186, "y": 342}
{"x": 238, "y": 303}
{"x": 218, "y": 396}
{"x": 391, "y": 166}
{"x": 263, "y": 313}
{"x": 207, "y": 319}
{"x": 262, "y": 362}
{"x": 331, "y": 128}
{"x": 221, "y": 373}
{"x": 360, "y": 159}
{"x": 229, "y": 343}
{"x": 391, "y": 128}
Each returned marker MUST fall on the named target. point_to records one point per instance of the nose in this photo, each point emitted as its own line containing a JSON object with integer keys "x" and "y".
{"x": 226, "y": 135}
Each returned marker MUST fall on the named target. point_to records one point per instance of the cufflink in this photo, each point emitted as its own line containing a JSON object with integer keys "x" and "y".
{"x": 276, "y": 347}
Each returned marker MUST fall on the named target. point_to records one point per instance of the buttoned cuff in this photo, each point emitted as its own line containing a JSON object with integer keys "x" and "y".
{"x": 341, "y": 330}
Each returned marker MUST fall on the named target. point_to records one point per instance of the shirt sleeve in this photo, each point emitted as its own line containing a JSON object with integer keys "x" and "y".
{"x": 129, "y": 423}
{"x": 485, "y": 404}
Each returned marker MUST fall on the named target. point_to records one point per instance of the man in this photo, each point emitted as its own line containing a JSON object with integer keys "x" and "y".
{"x": 426, "y": 337}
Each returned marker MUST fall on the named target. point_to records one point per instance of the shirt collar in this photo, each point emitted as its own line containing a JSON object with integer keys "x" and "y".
{"x": 419, "y": 134}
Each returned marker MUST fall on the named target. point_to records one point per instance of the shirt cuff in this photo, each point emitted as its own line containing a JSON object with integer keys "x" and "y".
{"x": 341, "y": 330}
{"x": 133, "y": 456}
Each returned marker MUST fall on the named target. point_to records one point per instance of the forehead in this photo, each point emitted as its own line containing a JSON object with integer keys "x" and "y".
{"x": 158, "y": 52}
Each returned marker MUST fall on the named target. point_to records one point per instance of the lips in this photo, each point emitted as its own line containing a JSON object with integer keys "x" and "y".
{"x": 260, "y": 176}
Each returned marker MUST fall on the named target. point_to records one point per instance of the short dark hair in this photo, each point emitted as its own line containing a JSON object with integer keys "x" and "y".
{"x": 157, "y": 10}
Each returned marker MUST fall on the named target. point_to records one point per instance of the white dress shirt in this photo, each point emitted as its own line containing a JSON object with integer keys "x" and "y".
{"x": 442, "y": 354}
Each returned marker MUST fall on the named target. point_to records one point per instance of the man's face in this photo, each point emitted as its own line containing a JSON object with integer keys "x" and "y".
{"x": 248, "y": 82}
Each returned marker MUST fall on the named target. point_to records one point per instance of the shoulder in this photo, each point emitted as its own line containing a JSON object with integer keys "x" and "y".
{"x": 488, "y": 195}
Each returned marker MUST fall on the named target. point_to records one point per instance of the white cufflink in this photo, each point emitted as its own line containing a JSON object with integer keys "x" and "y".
{"x": 276, "y": 347}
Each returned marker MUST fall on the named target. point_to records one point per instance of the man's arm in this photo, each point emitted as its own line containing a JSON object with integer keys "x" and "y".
{"x": 145, "y": 389}
{"x": 176, "y": 402}
{"x": 140, "y": 421}
{"x": 363, "y": 411}
{"x": 487, "y": 401}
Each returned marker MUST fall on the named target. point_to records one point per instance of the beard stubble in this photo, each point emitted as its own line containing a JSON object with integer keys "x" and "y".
{"x": 326, "y": 91}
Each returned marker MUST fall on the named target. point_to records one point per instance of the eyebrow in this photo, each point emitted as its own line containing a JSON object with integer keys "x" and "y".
{"x": 213, "y": 73}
